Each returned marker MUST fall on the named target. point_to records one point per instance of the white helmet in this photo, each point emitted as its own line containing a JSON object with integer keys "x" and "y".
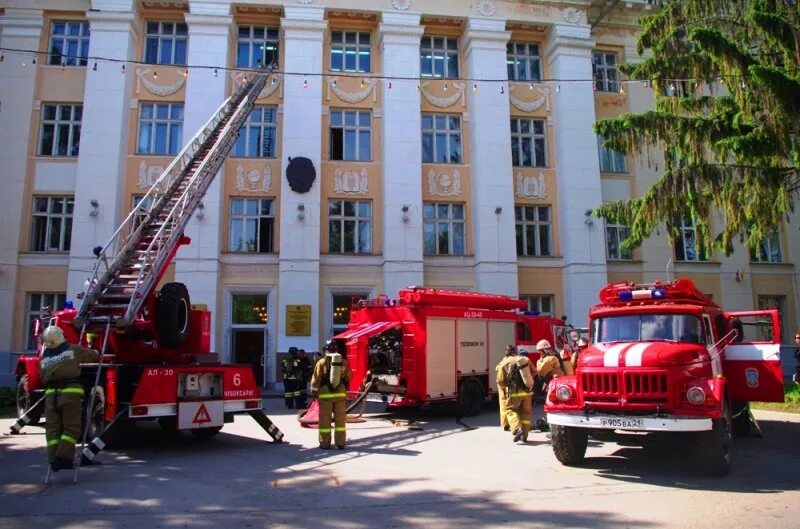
{"x": 543, "y": 344}
{"x": 53, "y": 337}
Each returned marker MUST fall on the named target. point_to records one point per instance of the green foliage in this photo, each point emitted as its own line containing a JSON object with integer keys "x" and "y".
{"x": 728, "y": 148}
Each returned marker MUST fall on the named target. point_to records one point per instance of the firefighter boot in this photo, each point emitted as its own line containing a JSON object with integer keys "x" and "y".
{"x": 324, "y": 425}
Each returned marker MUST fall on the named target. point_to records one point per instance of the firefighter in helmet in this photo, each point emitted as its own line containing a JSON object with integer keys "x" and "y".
{"x": 551, "y": 364}
{"x": 582, "y": 345}
{"x": 60, "y": 369}
{"x": 515, "y": 375}
{"x": 290, "y": 366}
{"x": 329, "y": 386}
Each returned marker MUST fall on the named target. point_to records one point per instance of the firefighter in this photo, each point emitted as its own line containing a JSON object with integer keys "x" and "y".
{"x": 60, "y": 369}
{"x": 305, "y": 376}
{"x": 328, "y": 385}
{"x": 515, "y": 375}
{"x": 291, "y": 378}
{"x": 550, "y": 363}
{"x": 582, "y": 344}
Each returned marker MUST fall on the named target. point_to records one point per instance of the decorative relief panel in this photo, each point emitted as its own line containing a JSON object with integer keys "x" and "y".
{"x": 252, "y": 180}
{"x": 401, "y": 5}
{"x": 148, "y": 174}
{"x": 447, "y": 101}
{"x": 531, "y": 186}
{"x": 276, "y": 83}
{"x": 351, "y": 182}
{"x": 156, "y": 88}
{"x": 571, "y": 15}
{"x": 486, "y": 8}
{"x": 534, "y": 105}
{"x": 443, "y": 184}
{"x": 352, "y": 97}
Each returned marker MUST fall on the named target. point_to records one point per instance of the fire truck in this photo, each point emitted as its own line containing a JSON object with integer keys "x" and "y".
{"x": 433, "y": 346}
{"x": 665, "y": 359}
{"x": 155, "y": 345}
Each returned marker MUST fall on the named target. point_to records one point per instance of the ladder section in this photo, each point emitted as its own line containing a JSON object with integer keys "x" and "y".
{"x": 132, "y": 262}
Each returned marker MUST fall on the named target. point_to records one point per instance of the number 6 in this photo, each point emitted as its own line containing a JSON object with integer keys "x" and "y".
{"x": 237, "y": 379}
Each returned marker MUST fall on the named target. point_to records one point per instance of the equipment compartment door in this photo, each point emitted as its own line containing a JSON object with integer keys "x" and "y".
{"x": 440, "y": 358}
{"x": 752, "y": 362}
{"x": 501, "y": 333}
{"x": 471, "y": 346}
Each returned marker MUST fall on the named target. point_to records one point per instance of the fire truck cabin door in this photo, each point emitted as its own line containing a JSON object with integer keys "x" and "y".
{"x": 752, "y": 362}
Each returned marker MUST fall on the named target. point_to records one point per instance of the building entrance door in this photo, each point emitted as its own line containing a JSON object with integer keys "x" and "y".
{"x": 249, "y": 332}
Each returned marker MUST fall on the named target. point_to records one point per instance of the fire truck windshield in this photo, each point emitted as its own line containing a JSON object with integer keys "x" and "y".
{"x": 647, "y": 327}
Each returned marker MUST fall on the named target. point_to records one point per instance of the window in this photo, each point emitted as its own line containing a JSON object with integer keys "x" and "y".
{"x": 528, "y": 145}
{"x": 257, "y": 137}
{"x": 51, "y": 226}
{"x": 773, "y": 303}
{"x": 160, "y": 128}
{"x": 523, "y": 62}
{"x": 40, "y": 305}
{"x": 69, "y": 43}
{"x": 439, "y": 57}
{"x": 252, "y": 225}
{"x": 604, "y": 70}
{"x": 443, "y": 228}
{"x": 351, "y": 137}
{"x": 351, "y": 51}
{"x": 61, "y": 130}
{"x": 341, "y": 309}
{"x": 533, "y": 230}
{"x": 648, "y": 327}
{"x": 611, "y": 160}
{"x": 686, "y": 245}
{"x": 165, "y": 43}
{"x": 615, "y": 234}
{"x": 543, "y": 304}
{"x": 256, "y": 45}
{"x": 350, "y": 226}
{"x": 441, "y": 138}
{"x": 769, "y": 251}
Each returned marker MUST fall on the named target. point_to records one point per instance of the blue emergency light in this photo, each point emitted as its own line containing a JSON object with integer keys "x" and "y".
{"x": 68, "y": 305}
{"x": 630, "y": 295}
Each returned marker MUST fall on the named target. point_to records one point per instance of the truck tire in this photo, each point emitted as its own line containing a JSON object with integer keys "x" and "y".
{"x": 716, "y": 447}
{"x": 740, "y": 423}
{"x": 569, "y": 443}
{"x": 172, "y": 314}
{"x": 204, "y": 434}
{"x": 98, "y": 422}
{"x": 25, "y": 399}
{"x": 470, "y": 397}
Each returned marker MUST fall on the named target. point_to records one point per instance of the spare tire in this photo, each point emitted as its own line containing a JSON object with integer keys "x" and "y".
{"x": 172, "y": 314}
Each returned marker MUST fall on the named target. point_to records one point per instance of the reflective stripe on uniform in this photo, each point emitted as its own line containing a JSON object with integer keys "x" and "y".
{"x": 67, "y": 438}
{"x": 525, "y": 422}
{"x": 324, "y": 430}
{"x": 49, "y": 392}
{"x": 520, "y": 395}
{"x": 339, "y": 429}
{"x": 74, "y": 391}
{"x": 52, "y": 442}
{"x": 314, "y": 388}
{"x": 332, "y": 395}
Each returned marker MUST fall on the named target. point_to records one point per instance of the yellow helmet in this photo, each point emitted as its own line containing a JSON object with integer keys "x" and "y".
{"x": 53, "y": 337}
{"x": 543, "y": 344}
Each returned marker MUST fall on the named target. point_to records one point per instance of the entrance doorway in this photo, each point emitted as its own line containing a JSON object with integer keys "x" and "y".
{"x": 249, "y": 318}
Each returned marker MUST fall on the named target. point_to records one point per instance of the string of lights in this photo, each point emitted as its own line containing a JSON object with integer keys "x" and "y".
{"x": 95, "y": 60}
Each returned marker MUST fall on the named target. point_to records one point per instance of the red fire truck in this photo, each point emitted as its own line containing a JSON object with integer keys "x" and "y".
{"x": 665, "y": 358}
{"x": 435, "y": 346}
{"x": 155, "y": 346}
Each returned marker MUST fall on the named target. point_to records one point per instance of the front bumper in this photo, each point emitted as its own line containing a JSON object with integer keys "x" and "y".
{"x": 644, "y": 423}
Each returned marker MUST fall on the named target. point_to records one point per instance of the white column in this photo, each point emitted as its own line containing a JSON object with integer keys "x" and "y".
{"x": 569, "y": 52}
{"x": 197, "y": 264}
{"x": 19, "y": 29}
{"x": 303, "y": 31}
{"x": 104, "y": 140}
{"x": 490, "y": 144}
{"x": 400, "y": 35}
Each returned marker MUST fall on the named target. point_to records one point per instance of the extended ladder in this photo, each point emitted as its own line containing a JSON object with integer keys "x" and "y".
{"x": 131, "y": 263}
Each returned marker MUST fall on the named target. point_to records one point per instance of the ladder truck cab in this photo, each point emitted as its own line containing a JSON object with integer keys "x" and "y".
{"x": 665, "y": 359}
{"x": 435, "y": 346}
{"x": 155, "y": 346}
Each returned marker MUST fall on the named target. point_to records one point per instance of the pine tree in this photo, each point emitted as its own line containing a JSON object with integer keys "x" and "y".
{"x": 727, "y": 112}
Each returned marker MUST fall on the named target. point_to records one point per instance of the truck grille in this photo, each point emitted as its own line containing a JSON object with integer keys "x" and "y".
{"x": 646, "y": 387}
{"x": 600, "y": 387}
{"x": 637, "y": 388}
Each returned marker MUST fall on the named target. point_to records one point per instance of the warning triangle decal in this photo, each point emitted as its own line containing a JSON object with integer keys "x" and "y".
{"x": 202, "y": 416}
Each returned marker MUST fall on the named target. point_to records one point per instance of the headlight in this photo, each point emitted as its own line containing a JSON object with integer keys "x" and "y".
{"x": 696, "y": 395}
{"x": 563, "y": 393}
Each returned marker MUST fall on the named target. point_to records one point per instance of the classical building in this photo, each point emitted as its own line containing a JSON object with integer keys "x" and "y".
{"x": 452, "y": 141}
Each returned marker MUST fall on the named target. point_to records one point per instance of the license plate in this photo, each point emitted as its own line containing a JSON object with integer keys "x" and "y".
{"x": 622, "y": 423}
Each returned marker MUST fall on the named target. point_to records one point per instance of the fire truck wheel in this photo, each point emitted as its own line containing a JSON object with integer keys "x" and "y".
{"x": 470, "y": 398}
{"x": 98, "y": 423}
{"x": 569, "y": 443}
{"x": 172, "y": 314}
{"x": 204, "y": 434}
{"x": 741, "y": 419}
{"x": 24, "y": 399}
{"x": 716, "y": 452}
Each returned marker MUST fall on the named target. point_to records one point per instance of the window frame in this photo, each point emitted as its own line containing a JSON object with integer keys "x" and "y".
{"x": 619, "y": 231}
{"x": 357, "y": 129}
{"x": 79, "y": 58}
{"x": 161, "y": 37}
{"x": 449, "y": 135}
{"x": 37, "y": 314}
{"x": 447, "y": 52}
{"x": 763, "y": 254}
{"x": 271, "y": 38}
{"x": 519, "y": 137}
{"x": 522, "y": 223}
{"x": 65, "y": 218}
{"x": 359, "y": 48}
{"x": 73, "y": 125}
{"x": 514, "y": 59}
{"x": 359, "y": 220}
{"x": 603, "y": 82}
{"x": 251, "y": 126}
{"x": 685, "y": 229}
{"x": 535, "y": 303}
{"x": 259, "y": 217}
{"x": 450, "y": 221}
{"x": 613, "y": 156}
{"x": 153, "y": 123}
